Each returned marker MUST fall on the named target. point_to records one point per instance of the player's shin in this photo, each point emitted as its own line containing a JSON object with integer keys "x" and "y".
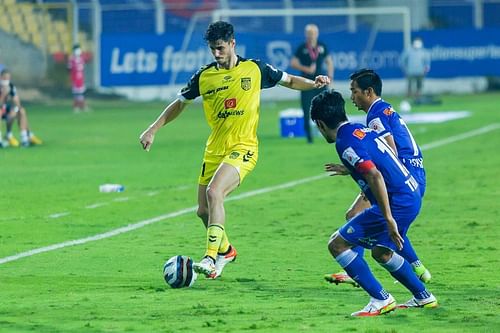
{"x": 358, "y": 270}
{"x": 408, "y": 252}
{"x": 224, "y": 244}
{"x": 402, "y": 271}
{"x": 215, "y": 233}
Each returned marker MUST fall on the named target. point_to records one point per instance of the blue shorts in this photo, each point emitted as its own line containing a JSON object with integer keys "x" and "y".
{"x": 369, "y": 228}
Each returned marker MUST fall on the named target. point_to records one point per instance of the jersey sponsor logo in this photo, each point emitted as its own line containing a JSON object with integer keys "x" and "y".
{"x": 388, "y": 111}
{"x": 248, "y": 156}
{"x": 234, "y": 155}
{"x": 359, "y": 133}
{"x": 230, "y": 103}
{"x": 368, "y": 240}
{"x": 376, "y": 125}
{"x": 350, "y": 156}
{"x": 213, "y": 91}
{"x": 246, "y": 83}
{"x": 227, "y": 79}
{"x": 225, "y": 114}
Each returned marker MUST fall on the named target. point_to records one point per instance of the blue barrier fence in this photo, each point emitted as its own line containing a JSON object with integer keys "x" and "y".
{"x": 148, "y": 59}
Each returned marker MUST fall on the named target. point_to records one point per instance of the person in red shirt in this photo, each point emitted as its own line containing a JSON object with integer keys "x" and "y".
{"x": 76, "y": 66}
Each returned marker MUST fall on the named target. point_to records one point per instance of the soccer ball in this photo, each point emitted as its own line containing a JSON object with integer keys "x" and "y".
{"x": 178, "y": 272}
{"x": 405, "y": 106}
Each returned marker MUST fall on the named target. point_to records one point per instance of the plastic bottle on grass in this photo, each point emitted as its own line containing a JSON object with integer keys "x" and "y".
{"x": 106, "y": 188}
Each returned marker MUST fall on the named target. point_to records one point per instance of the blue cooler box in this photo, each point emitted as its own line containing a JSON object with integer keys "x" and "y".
{"x": 292, "y": 123}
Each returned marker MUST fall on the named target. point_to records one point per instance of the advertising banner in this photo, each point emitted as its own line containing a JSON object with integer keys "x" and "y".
{"x": 148, "y": 59}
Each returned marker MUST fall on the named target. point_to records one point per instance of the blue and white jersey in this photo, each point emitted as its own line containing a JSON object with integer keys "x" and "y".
{"x": 382, "y": 118}
{"x": 360, "y": 148}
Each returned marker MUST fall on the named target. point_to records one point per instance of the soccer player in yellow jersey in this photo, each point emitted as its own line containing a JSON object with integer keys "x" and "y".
{"x": 230, "y": 88}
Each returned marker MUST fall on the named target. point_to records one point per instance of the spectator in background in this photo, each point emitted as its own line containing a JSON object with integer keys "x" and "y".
{"x": 76, "y": 66}
{"x": 12, "y": 110}
{"x": 309, "y": 59}
{"x": 416, "y": 63}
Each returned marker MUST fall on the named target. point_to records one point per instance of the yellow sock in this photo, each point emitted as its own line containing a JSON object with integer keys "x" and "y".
{"x": 224, "y": 243}
{"x": 215, "y": 233}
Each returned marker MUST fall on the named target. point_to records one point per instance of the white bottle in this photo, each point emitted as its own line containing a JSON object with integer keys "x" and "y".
{"x": 106, "y": 188}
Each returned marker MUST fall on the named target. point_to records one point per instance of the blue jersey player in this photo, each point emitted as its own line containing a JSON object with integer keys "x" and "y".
{"x": 366, "y": 89}
{"x": 395, "y": 201}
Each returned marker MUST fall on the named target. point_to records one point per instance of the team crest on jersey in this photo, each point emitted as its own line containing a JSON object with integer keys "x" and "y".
{"x": 234, "y": 155}
{"x": 388, "y": 111}
{"x": 246, "y": 83}
{"x": 359, "y": 133}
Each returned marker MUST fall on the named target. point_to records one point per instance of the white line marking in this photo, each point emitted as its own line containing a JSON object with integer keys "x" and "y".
{"x": 121, "y": 199}
{"x": 150, "y": 194}
{"x": 96, "y": 205}
{"x": 58, "y": 215}
{"x": 144, "y": 223}
{"x": 462, "y": 136}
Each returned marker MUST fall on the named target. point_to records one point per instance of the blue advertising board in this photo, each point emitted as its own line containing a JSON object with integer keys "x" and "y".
{"x": 148, "y": 59}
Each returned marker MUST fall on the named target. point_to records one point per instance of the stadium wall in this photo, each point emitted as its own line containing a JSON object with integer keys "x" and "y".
{"x": 27, "y": 63}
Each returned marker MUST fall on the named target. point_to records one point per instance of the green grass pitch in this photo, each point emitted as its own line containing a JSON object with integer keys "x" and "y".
{"x": 50, "y": 196}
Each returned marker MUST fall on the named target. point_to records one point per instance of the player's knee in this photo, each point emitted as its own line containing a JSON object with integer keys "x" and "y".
{"x": 214, "y": 194}
{"x": 381, "y": 254}
{"x": 350, "y": 214}
{"x": 336, "y": 244}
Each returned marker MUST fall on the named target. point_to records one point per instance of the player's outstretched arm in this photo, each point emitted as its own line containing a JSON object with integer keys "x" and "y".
{"x": 170, "y": 113}
{"x": 377, "y": 185}
{"x": 301, "y": 83}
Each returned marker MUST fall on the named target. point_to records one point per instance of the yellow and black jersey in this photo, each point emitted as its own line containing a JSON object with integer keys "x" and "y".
{"x": 231, "y": 101}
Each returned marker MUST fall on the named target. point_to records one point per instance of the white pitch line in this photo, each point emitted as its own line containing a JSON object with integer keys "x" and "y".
{"x": 264, "y": 190}
{"x": 459, "y": 137}
{"x": 96, "y": 205}
{"x": 58, "y": 215}
{"x": 120, "y": 199}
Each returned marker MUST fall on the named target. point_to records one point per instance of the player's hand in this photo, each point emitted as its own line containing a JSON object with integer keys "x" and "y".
{"x": 392, "y": 228}
{"x": 147, "y": 137}
{"x": 321, "y": 81}
{"x": 336, "y": 169}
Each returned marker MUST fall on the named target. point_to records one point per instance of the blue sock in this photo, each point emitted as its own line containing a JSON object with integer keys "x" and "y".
{"x": 359, "y": 250}
{"x": 408, "y": 252}
{"x": 403, "y": 272}
{"x": 358, "y": 270}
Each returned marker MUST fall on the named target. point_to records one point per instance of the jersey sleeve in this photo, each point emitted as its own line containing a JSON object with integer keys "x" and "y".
{"x": 298, "y": 51}
{"x": 192, "y": 88}
{"x": 354, "y": 156}
{"x": 270, "y": 75}
{"x": 380, "y": 122}
{"x": 13, "y": 90}
{"x": 327, "y": 51}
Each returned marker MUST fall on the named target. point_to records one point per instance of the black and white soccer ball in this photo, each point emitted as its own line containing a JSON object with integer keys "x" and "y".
{"x": 178, "y": 272}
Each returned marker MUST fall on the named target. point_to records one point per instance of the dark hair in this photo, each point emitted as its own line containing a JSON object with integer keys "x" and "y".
{"x": 366, "y": 78}
{"x": 219, "y": 30}
{"x": 328, "y": 107}
{"x": 4, "y": 71}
